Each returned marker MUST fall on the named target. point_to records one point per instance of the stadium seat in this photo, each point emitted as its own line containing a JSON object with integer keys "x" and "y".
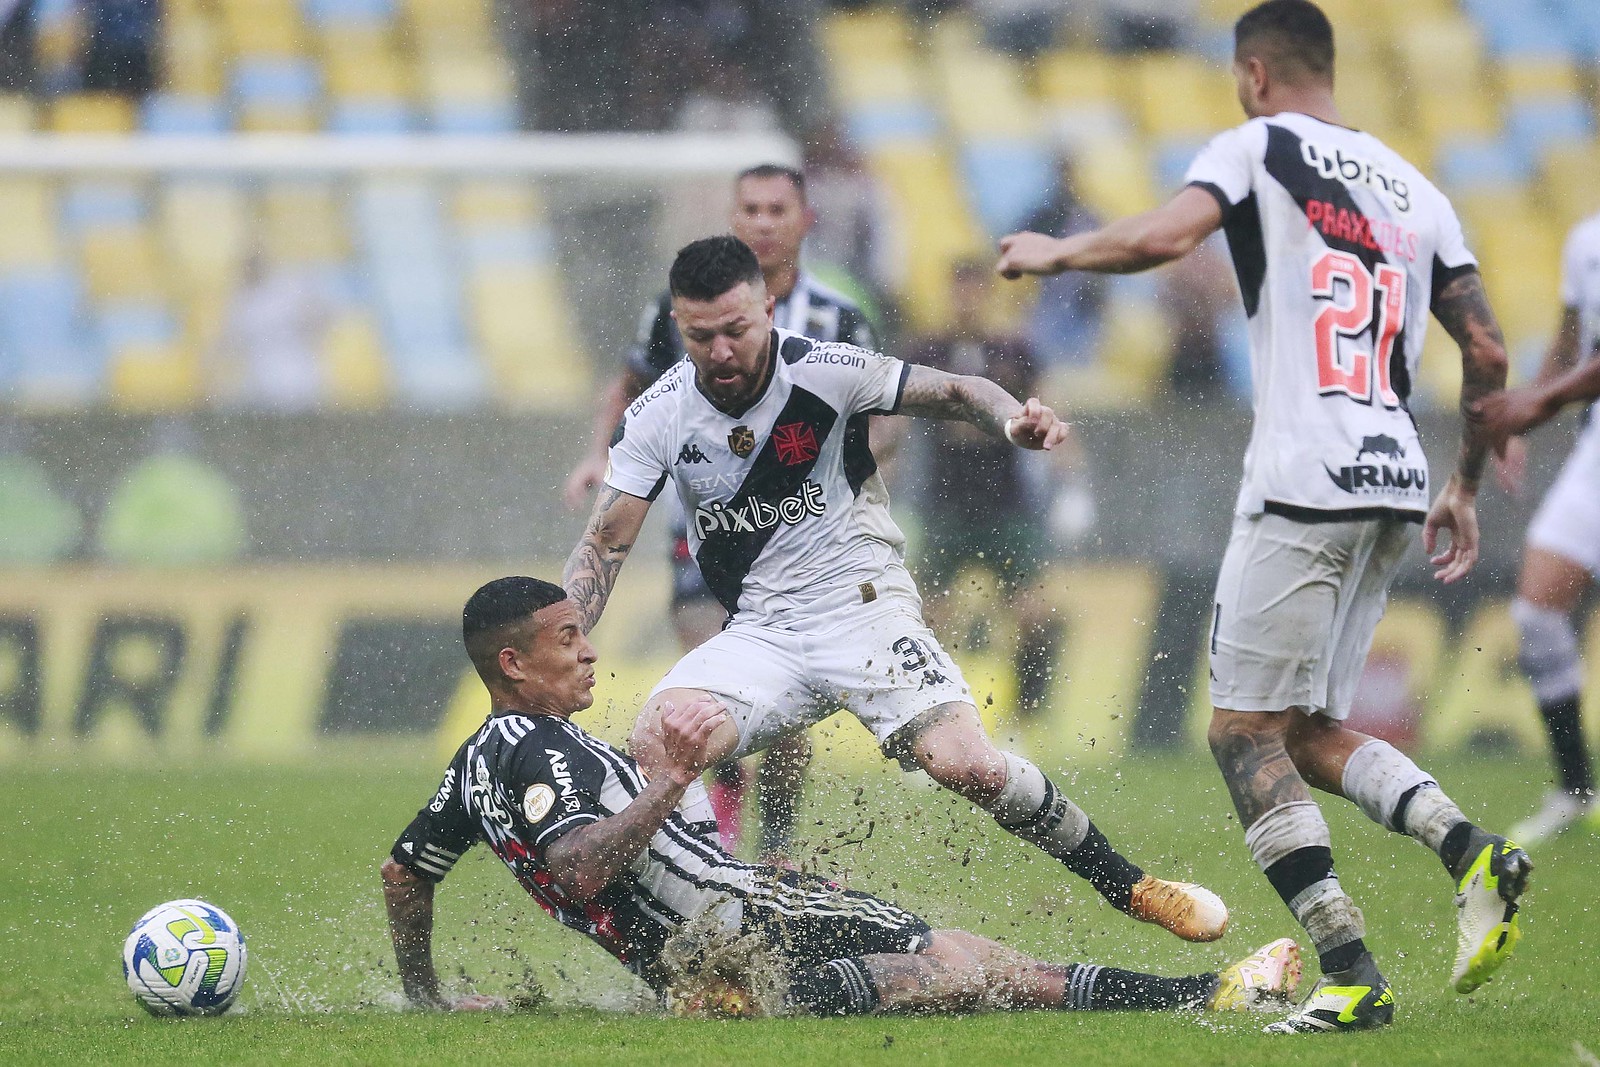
{"x": 47, "y": 356}
{"x": 1442, "y": 56}
{"x": 1007, "y": 180}
{"x": 92, "y": 113}
{"x": 192, "y": 54}
{"x": 205, "y": 232}
{"x": 263, "y": 27}
{"x": 980, "y": 91}
{"x": 352, "y": 354}
{"x": 1115, "y": 177}
{"x": 1080, "y": 97}
{"x": 475, "y": 94}
{"x": 1465, "y": 164}
{"x": 121, "y": 262}
{"x": 303, "y": 222}
{"x": 18, "y": 113}
{"x": 171, "y": 113}
{"x": 350, "y": 12}
{"x": 1173, "y": 95}
{"x": 1534, "y": 126}
{"x": 939, "y": 226}
{"x": 87, "y": 203}
{"x": 1568, "y": 181}
{"x": 276, "y": 93}
{"x": 29, "y": 237}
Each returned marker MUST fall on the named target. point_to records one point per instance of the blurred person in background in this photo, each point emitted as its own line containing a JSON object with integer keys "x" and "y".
{"x": 173, "y": 508}
{"x": 772, "y": 215}
{"x": 270, "y": 352}
{"x": 1562, "y": 554}
{"x": 1024, "y": 28}
{"x": 1338, "y": 273}
{"x": 120, "y": 56}
{"x": 1147, "y": 25}
{"x": 18, "y": 33}
{"x": 1198, "y": 296}
{"x": 854, "y": 229}
{"x": 1064, "y": 327}
{"x": 984, "y": 507}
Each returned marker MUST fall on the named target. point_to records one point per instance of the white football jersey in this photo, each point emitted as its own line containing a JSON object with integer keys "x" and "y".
{"x": 785, "y": 507}
{"x": 1580, "y": 290}
{"x": 1339, "y": 246}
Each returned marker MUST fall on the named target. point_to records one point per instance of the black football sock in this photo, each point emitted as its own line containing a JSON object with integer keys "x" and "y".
{"x": 838, "y": 987}
{"x": 1564, "y": 722}
{"x": 1091, "y": 987}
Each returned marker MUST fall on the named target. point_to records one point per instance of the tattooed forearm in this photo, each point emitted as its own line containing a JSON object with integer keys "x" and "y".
{"x": 585, "y": 861}
{"x": 933, "y": 394}
{"x": 1462, "y": 308}
{"x": 408, "y": 898}
{"x": 1258, "y": 770}
{"x": 597, "y": 558}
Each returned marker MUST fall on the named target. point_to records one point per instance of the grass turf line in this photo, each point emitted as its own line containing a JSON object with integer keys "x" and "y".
{"x": 292, "y": 854}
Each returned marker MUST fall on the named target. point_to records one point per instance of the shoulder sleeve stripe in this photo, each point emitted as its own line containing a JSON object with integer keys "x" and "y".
{"x": 1217, "y": 194}
{"x": 1443, "y": 276}
{"x": 899, "y": 393}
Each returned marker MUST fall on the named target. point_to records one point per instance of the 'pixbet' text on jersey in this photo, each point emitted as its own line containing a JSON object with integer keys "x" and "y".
{"x": 756, "y": 514}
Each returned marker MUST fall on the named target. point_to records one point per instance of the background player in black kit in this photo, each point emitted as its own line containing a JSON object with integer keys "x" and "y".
{"x": 772, "y": 215}
{"x": 629, "y": 862}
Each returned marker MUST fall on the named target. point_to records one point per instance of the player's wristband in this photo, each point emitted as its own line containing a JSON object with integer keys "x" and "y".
{"x": 1007, "y": 429}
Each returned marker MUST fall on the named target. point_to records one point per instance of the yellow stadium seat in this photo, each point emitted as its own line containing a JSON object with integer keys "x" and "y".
{"x": 451, "y": 27}
{"x": 1075, "y": 76}
{"x": 1442, "y": 56}
{"x": 981, "y": 91}
{"x": 154, "y": 377}
{"x": 1468, "y": 111}
{"x": 1180, "y": 96}
{"x": 28, "y": 237}
{"x": 352, "y": 353}
{"x": 1525, "y": 78}
{"x": 940, "y": 227}
{"x": 524, "y": 328}
{"x": 1519, "y": 253}
{"x": 1115, "y": 177}
{"x": 121, "y": 262}
{"x": 18, "y": 113}
{"x": 493, "y": 205}
{"x": 367, "y": 66}
{"x": 1367, "y": 101}
{"x": 482, "y": 78}
{"x": 206, "y": 234}
{"x": 1568, "y": 182}
{"x": 302, "y": 222}
{"x": 865, "y": 35}
{"x": 263, "y": 27}
{"x": 92, "y": 113}
{"x": 191, "y": 47}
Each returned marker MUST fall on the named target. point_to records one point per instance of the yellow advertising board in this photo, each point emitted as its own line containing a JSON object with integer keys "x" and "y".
{"x": 273, "y": 663}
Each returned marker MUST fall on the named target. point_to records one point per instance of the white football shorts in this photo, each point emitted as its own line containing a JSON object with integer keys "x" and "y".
{"x": 879, "y": 660}
{"x": 1568, "y": 520}
{"x": 1295, "y": 610}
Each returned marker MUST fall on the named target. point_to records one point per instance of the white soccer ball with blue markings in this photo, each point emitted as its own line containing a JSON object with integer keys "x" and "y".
{"x": 185, "y": 957}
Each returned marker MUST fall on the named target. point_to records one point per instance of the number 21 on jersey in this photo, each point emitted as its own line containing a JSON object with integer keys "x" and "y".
{"x": 1364, "y": 307}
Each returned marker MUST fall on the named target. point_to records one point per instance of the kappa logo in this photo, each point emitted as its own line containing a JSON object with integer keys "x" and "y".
{"x": 690, "y": 453}
{"x": 796, "y": 443}
{"x": 742, "y": 441}
{"x": 1360, "y": 478}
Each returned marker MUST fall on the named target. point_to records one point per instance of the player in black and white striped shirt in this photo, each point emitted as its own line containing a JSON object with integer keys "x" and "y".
{"x": 628, "y": 860}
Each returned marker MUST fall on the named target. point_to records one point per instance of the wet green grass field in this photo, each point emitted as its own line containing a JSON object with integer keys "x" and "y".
{"x": 292, "y": 853}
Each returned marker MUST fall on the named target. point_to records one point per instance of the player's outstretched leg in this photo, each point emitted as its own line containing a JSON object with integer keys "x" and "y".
{"x": 959, "y": 971}
{"x": 1547, "y": 652}
{"x": 1289, "y": 840}
{"x": 950, "y": 744}
{"x": 1489, "y": 872}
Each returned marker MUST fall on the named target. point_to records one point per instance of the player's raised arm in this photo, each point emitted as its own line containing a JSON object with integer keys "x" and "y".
{"x": 934, "y": 394}
{"x": 1462, "y": 308}
{"x": 597, "y": 558}
{"x": 1125, "y": 246}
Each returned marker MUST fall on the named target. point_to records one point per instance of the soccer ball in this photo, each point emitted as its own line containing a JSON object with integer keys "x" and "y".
{"x": 185, "y": 957}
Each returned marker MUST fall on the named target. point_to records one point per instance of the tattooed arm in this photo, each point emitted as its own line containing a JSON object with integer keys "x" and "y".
{"x": 934, "y": 394}
{"x": 607, "y": 539}
{"x": 584, "y": 861}
{"x": 408, "y": 898}
{"x": 1463, "y": 309}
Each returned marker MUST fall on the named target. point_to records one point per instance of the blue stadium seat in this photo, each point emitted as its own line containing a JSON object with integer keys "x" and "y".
{"x": 172, "y": 113}
{"x": 88, "y": 204}
{"x": 873, "y": 125}
{"x": 1473, "y": 164}
{"x": 1007, "y": 180}
{"x": 467, "y": 118}
{"x": 371, "y": 116}
{"x": 1518, "y": 27}
{"x": 42, "y": 337}
{"x": 1535, "y": 125}
{"x": 276, "y": 81}
{"x": 337, "y": 12}
{"x": 413, "y": 281}
{"x": 134, "y": 322}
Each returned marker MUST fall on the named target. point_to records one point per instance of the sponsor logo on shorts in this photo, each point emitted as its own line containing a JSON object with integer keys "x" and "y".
{"x": 757, "y": 514}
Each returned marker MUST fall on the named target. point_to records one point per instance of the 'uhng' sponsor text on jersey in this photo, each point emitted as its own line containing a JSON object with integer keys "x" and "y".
{"x": 784, "y": 502}
{"x": 522, "y": 781}
{"x": 1340, "y": 247}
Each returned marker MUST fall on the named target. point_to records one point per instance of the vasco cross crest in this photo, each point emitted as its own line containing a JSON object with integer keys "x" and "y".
{"x": 742, "y": 441}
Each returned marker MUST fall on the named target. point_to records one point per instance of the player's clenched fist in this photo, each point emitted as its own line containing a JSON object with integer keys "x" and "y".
{"x": 1027, "y": 253}
{"x": 1036, "y": 428}
{"x": 686, "y": 733}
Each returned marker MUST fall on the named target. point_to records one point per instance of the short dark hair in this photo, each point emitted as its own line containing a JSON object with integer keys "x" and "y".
{"x": 796, "y": 177}
{"x": 709, "y": 267}
{"x": 496, "y": 609}
{"x": 1287, "y": 34}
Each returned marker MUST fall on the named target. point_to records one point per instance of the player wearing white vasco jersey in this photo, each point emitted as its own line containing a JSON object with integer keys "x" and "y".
{"x": 1562, "y": 554}
{"x": 762, "y": 435}
{"x": 1340, "y": 248}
